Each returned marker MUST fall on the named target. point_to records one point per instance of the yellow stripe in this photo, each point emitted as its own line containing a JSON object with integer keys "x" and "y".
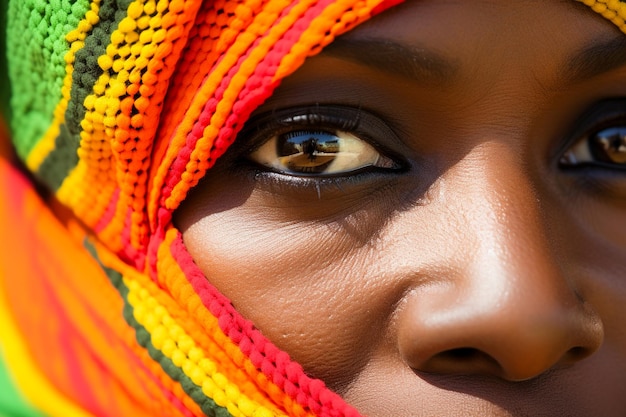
{"x": 47, "y": 143}
{"x": 89, "y": 193}
{"x": 613, "y": 10}
{"x": 172, "y": 340}
{"x": 126, "y": 56}
{"x": 30, "y": 381}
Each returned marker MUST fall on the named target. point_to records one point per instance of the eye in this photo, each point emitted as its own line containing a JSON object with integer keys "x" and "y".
{"x": 326, "y": 141}
{"x": 318, "y": 152}
{"x": 603, "y": 146}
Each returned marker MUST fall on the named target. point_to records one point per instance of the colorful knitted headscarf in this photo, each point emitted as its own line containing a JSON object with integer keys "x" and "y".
{"x": 119, "y": 107}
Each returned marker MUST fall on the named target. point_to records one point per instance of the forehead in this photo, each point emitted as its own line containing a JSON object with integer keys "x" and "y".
{"x": 443, "y": 40}
{"x": 453, "y": 24}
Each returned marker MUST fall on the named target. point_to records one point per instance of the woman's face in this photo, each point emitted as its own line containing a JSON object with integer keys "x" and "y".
{"x": 430, "y": 215}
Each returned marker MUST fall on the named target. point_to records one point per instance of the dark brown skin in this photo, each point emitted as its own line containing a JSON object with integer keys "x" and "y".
{"x": 481, "y": 275}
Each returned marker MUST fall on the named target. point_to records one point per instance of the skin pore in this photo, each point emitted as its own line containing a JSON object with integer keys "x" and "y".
{"x": 472, "y": 261}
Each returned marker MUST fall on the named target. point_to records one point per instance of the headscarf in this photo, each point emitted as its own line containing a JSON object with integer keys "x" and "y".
{"x": 118, "y": 108}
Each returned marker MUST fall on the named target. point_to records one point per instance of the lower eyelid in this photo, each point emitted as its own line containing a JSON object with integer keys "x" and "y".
{"x": 592, "y": 181}
{"x": 361, "y": 177}
{"x": 304, "y": 187}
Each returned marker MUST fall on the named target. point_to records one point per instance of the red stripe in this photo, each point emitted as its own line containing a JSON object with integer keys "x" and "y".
{"x": 178, "y": 167}
{"x": 109, "y": 212}
{"x": 288, "y": 375}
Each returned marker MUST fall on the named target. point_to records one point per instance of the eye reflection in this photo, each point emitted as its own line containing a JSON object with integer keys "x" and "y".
{"x": 307, "y": 152}
{"x": 611, "y": 145}
{"x": 318, "y": 152}
{"x": 607, "y": 146}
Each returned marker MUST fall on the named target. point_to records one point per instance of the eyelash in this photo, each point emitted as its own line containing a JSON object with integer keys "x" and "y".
{"x": 259, "y": 128}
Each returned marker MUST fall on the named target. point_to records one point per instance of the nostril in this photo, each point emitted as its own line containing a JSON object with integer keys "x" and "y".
{"x": 464, "y": 360}
{"x": 576, "y": 353}
{"x": 463, "y": 354}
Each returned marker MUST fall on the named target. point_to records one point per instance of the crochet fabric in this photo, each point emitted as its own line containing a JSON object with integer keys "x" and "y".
{"x": 119, "y": 107}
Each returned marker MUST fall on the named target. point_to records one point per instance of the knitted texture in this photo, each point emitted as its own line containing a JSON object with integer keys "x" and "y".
{"x": 119, "y": 108}
{"x": 613, "y": 10}
{"x": 127, "y": 104}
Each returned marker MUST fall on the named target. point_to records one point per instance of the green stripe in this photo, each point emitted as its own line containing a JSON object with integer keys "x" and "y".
{"x": 12, "y": 404}
{"x": 5, "y": 86}
{"x": 206, "y": 404}
{"x": 86, "y": 68}
{"x": 62, "y": 160}
{"x": 36, "y": 49}
{"x": 58, "y": 164}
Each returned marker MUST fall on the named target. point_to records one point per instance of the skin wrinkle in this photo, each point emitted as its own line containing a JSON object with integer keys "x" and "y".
{"x": 492, "y": 280}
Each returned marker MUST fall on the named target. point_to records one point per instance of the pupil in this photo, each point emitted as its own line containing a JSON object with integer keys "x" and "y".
{"x": 309, "y": 147}
{"x": 610, "y": 145}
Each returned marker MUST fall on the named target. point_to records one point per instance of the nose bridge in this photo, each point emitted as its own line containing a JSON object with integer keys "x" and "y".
{"x": 503, "y": 216}
{"x": 512, "y": 267}
{"x": 511, "y": 304}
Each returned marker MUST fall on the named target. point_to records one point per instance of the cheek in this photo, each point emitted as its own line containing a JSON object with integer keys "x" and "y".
{"x": 306, "y": 285}
{"x": 601, "y": 281}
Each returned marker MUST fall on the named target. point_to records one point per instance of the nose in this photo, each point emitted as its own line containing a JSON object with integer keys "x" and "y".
{"x": 509, "y": 310}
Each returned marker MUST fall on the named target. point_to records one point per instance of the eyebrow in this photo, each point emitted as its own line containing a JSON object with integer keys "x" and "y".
{"x": 398, "y": 59}
{"x": 595, "y": 59}
{"x": 420, "y": 63}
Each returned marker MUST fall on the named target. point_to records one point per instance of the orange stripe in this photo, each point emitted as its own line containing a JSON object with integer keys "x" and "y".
{"x": 69, "y": 317}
